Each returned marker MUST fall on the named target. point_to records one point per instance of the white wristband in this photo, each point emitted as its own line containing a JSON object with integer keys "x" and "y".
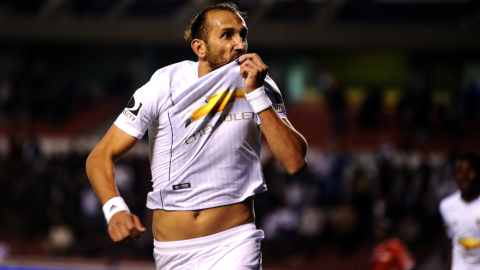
{"x": 113, "y": 206}
{"x": 258, "y": 100}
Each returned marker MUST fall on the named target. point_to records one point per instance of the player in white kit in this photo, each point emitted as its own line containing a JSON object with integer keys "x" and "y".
{"x": 461, "y": 214}
{"x": 204, "y": 123}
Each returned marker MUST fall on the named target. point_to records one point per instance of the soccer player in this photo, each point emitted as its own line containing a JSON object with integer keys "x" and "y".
{"x": 461, "y": 214}
{"x": 204, "y": 122}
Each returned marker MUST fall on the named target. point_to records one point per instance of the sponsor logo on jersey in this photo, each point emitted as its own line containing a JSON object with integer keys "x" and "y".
{"x": 181, "y": 186}
{"x": 214, "y": 105}
{"x": 278, "y": 97}
{"x": 279, "y": 106}
{"x": 204, "y": 131}
{"x": 132, "y": 110}
{"x": 237, "y": 116}
{"x": 469, "y": 243}
{"x": 224, "y": 118}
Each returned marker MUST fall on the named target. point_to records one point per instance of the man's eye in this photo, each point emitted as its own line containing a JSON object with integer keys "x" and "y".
{"x": 226, "y": 35}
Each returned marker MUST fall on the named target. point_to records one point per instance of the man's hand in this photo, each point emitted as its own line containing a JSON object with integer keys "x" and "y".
{"x": 125, "y": 227}
{"x": 253, "y": 70}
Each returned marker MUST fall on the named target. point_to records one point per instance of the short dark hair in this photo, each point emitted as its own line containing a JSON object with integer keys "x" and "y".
{"x": 474, "y": 158}
{"x": 198, "y": 28}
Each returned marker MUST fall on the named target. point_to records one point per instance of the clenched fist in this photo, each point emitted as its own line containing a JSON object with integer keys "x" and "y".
{"x": 253, "y": 70}
{"x": 125, "y": 227}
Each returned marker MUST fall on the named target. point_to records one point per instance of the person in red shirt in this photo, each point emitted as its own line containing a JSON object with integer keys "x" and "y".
{"x": 390, "y": 253}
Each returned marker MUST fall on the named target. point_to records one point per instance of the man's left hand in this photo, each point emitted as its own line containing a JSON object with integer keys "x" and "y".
{"x": 253, "y": 70}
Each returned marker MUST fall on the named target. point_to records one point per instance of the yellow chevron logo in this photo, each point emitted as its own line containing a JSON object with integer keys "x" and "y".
{"x": 469, "y": 243}
{"x": 215, "y": 104}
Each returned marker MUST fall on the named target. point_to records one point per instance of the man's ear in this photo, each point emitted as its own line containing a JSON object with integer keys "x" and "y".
{"x": 199, "y": 47}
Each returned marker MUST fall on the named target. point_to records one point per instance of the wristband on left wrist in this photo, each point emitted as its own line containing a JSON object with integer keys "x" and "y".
{"x": 258, "y": 100}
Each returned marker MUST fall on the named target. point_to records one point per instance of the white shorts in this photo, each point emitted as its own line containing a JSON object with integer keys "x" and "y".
{"x": 237, "y": 248}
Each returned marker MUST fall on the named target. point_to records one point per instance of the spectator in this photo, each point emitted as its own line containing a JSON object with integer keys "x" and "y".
{"x": 390, "y": 253}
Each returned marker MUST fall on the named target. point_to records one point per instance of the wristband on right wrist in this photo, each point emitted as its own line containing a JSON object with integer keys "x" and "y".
{"x": 258, "y": 100}
{"x": 113, "y": 206}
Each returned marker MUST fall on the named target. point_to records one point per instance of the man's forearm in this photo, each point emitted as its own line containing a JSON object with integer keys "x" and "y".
{"x": 99, "y": 165}
{"x": 288, "y": 146}
{"x": 101, "y": 175}
{"x": 122, "y": 225}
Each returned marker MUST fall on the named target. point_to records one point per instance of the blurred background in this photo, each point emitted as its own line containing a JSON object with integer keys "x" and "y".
{"x": 386, "y": 92}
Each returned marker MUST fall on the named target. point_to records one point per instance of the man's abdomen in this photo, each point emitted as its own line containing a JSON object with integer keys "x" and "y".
{"x": 183, "y": 225}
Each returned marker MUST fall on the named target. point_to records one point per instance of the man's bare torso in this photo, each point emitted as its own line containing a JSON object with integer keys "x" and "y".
{"x": 182, "y": 225}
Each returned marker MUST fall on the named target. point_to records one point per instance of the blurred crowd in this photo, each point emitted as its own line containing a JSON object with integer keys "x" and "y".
{"x": 341, "y": 196}
{"x": 419, "y": 113}
{"x": 334, "y": 203}
{"x": 35, "y": 89}
{"x": 47, "y": 202}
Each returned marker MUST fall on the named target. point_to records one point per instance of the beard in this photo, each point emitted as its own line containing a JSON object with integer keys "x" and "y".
{"x": 216, "y": 60}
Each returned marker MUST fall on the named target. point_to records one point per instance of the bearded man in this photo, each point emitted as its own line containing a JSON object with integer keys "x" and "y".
{"x": 204, "y": 122}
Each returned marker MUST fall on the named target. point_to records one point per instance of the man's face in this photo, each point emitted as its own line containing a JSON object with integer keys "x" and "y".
{"x": 466, "y": 175}
{"x": 227, "y": 38}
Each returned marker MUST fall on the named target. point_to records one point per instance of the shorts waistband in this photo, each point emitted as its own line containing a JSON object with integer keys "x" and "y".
{"x": 204, "y": 241}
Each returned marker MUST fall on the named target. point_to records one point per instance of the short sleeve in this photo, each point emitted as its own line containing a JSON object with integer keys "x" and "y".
{"x": 273, "y": 93}
{"x": 142, "y": 109}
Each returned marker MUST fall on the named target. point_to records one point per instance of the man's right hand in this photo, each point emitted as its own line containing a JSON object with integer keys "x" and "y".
{"x": 125, "y": 227}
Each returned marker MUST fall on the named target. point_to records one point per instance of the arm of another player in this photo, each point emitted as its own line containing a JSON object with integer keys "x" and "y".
{"x": 123, "y": 226}
{"x": 288, "y": 145}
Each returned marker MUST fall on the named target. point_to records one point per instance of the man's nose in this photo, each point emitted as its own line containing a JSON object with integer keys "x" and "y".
{"x": 239, "y": 44}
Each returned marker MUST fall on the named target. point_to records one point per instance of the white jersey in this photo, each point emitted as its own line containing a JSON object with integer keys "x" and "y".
{"x": 204, "y": 137}
{"x": 462, "y": 222}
